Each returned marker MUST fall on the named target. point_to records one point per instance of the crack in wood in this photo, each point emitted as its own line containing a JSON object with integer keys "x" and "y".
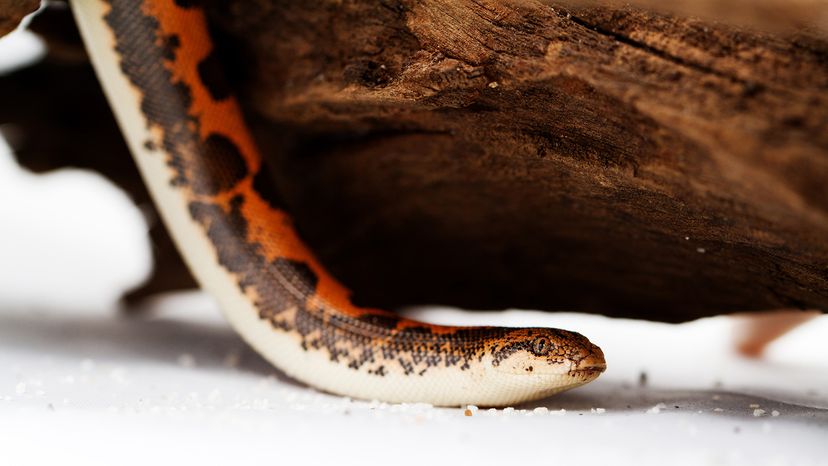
{"x": 750, "y": 87}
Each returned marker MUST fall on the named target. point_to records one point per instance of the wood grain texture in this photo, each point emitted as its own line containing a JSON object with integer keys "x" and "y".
{"x": 508, "y": 153}
{"x": 515, "y": 154}
{"x": 769, "y": 15}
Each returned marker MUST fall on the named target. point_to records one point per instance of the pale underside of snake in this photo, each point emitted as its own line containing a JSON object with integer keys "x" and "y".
{"x": 154, "y": 60}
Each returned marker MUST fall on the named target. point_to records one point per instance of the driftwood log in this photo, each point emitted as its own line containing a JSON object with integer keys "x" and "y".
{"x": 514, "y": 153}
{"x": 13, "y": 11}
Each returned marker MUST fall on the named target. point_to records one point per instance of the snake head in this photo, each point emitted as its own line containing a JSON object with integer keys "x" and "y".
{"x": 546, "y": 359}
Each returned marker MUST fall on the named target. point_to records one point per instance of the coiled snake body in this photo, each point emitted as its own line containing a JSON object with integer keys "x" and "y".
{"x": 154, "y": 60}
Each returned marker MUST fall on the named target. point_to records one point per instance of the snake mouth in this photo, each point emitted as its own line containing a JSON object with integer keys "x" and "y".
{"x": 591, "y": 366}
{"x": 587, "y": 372}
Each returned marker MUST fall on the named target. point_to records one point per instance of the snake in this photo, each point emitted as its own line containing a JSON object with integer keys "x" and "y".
{"x": 156, "y": 62}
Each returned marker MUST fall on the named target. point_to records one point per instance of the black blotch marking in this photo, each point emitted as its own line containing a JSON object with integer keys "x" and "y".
{"x": 265, "y": 186}
{"x": 212, "y": 76}
{"x": 233, "y": 56}
{"x": 150, "y": 146}
{"x": 225, "y": 229}
{"x": 284, "y": 284}
{"x": 187, "y": 3}
{"x": 170, "y": 45}
{"x": 209, "y": 166}
{"x": 298, "y": 274}
{"x": 220, "y": 167}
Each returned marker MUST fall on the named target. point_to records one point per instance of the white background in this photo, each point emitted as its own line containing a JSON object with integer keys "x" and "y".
{"x": 80, "y": 383}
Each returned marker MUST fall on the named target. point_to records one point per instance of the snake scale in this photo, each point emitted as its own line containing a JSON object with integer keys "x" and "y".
{"x": 155, "y": 61}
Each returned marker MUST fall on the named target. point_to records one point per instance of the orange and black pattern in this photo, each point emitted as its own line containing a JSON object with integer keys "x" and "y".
{"x": 198, "y": 128}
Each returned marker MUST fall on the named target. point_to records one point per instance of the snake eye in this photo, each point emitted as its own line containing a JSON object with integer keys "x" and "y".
{"x": 541, "y": 346}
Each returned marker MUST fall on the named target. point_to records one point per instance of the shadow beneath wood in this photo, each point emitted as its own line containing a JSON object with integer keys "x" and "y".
{"x": 613, "y": 396}
{"x": 213, "y": 347}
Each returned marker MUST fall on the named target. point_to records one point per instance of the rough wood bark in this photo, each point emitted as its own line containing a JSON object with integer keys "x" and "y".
{"x": 12, "y": 11}
{"x": 509, "y": 153}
